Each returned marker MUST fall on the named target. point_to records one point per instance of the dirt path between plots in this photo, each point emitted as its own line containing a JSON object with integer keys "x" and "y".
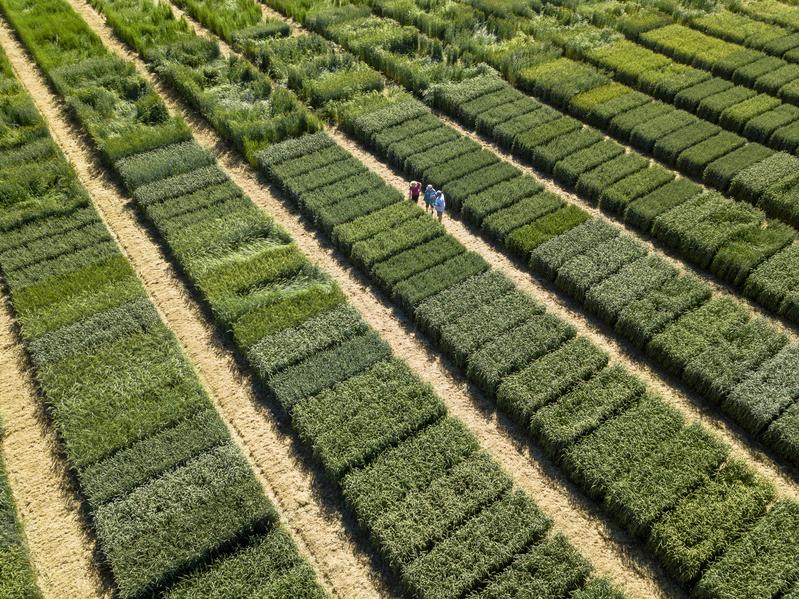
{"x": 673, "y": 390}
{"x": 304, "y": 504}
{"x": 62, "y": 551}
{"x": 611, "y": 551}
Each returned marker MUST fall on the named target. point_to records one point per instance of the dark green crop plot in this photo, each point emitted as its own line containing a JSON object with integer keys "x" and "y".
{"x": 576, "y": 414}
{"x": 622, "y": 125}
{"x": 548, "y": 378}
{"x": 469, "y": 331}
{"x": 147, "y": 167}
{"x": 549, "y": 257}
{"x": 644, "y": 318}
{"x": 695, "y": 159}
{"x": 742, "y": 253}
{"x": 425, "y": 517}
{"x": 133, "y": 466}
{"x": 783, "y": 434}
{"x": 642, "y": 495}
{"x": 569, "y": 169}
{"x": 403, "y": 236}
{"x": 610, "y": 297}
{"x": 527, "y": 238}
{"x": 592, "y": 183}
{"x": 480, "y": 205}
{"x": 415, "y": 260}
{"x": 326, "y": 368}
{"x": 274, "y": 353}
{"x": 643, "y": 212}
{"x": 772, "y": 282}
{"x": 599, "y": 262}
{"x": 363, "y": 228}
{"x": 763, "y": 562}
{"x": 527, "y": 210}
{"x": 550, "y": 569}
{"x": 700, "y": 226}
{"x": 721, "y": 171}
{"x": 516, "y": 348}
{"x": 476, "y": 181}
{"x": 762, "y": 397}
{"x": 709, "y": 520}
{"x": 620, "y": 445}
{"x": 718, "y": 369}
{"x": 618, "y": 196}
{"x": 407, "y": 469}
{"x": 448, "y": 306}
{"x": 355, "y": 420}
{"x": 669, "y": 147}
{"x": 482, "y": 546}
{"x": 752, "y": 182}
{"x": 647, "y": 133}
{"x": 414, "y": 290}
{"x": 268, "y": 566}
{"x": 547, "y": 156}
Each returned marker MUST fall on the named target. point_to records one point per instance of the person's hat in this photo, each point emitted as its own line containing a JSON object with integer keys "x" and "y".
{"x": 438, "y": 193}
{"x": 429, "y": 186}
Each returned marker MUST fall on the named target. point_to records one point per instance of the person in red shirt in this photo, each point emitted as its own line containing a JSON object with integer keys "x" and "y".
{"x": 414, "y": 191}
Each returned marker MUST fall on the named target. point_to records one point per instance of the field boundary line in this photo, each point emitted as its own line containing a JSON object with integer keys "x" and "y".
{"x": 293, "y": 490}
{"x": 608, "y": 547}
{"x": 61, "y": 547}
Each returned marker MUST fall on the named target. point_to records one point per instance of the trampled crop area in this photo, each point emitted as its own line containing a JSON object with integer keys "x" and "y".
{"x": 581, "y": 383}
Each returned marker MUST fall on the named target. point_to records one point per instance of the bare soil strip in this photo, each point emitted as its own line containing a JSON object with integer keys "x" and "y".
{"x": 609, "y": 548}
{"x": 60, "y": 547}
{"x": 303, "y": 504}
{"x": 673, "y": 390}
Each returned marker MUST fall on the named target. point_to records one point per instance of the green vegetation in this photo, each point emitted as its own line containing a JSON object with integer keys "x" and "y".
{"x": 375, "y": 427}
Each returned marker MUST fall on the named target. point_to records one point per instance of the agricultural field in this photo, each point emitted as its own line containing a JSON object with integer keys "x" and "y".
{"x": 251, "y": 367}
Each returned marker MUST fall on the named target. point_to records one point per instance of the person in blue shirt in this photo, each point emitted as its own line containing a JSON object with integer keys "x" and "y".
{"x": 440, "y": 204}
{"x": 429, "y": 198}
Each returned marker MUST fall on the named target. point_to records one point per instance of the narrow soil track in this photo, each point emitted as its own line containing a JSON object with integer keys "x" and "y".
{"x": 673, "y": 390}
{"x": 303, "y": 504}
{"x": 60, "y": 547}
{"x": 611, "y": 551}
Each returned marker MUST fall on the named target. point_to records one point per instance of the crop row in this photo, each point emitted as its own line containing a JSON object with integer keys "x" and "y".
{"x": 168, "y": 493}
{"x": 591, "y": 96}
{"x": 511, "y": 210}
{"x": 736, "y": 242}
{"x": 17, "y": 578}
{"x": 440, "y": 512}
{"x": 728, "y": 60}
{"x": 739, "y": 89}
{"x": 556, "y": 385}
{"x": 508, "y": 345}
{"x": 718, "y": 21}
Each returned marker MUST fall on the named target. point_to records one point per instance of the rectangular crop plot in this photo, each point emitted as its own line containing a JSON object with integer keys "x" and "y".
{"x": 346, "y": 425}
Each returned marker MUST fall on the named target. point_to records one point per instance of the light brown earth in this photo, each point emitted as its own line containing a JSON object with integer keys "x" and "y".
{"x": 60, "y": 547}
{"x": 303, "y": 503}
{"x": 610, "y": 550}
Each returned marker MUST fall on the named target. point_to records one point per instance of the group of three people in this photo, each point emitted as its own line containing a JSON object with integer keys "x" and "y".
{"x": 433, "y": 200}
